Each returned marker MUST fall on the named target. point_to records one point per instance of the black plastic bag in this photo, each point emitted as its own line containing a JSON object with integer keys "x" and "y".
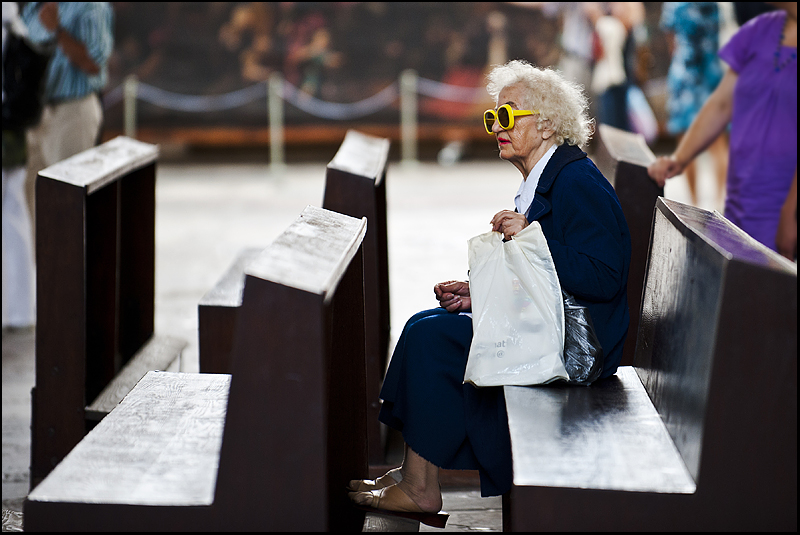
{"x": 583, "y": 354}
{"x": 24, "y": 76}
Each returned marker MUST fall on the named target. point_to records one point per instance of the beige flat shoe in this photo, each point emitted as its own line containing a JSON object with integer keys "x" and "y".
{"x": 392, "y": 477}
{"x": 393, "y": 501}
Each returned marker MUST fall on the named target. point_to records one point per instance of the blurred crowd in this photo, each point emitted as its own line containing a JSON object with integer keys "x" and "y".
{"x": 337, "y": 51}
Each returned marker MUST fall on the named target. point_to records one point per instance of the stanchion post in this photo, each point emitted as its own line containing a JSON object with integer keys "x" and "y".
{"x": 408, "y": 116}
{"x": 275, "y": 109}
{"x": 130, "y": 93}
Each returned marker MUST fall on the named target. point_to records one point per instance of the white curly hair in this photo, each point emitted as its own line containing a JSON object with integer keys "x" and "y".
{"x": 559, "y": 101}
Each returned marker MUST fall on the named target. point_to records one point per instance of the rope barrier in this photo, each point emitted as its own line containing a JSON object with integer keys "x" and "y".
{"x": 201, "y": 103}
{"x": 333, "y": 110}
{"x": 277, "y": 90}
{"x": 296, "y": 97}
{"x": 453, "y": 93}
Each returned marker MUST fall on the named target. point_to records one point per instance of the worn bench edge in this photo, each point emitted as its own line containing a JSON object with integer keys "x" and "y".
{"x": 100, "y": 161}
{"x": 768, "y": 259}
{"x": 374, "y": 167}
{"x": 265, "y": 268}
{"x": 155, "y": 355}
{"x": 227, "y": 292}
{"x": 52, "y": 489}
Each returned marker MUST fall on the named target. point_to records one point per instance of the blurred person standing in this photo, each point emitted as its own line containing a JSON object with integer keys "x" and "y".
{"x": 758, "y": 98}
{"x": 615, "y": 49}
{"x": 19, "y": 297}
{"x": 692, "y": 30}
{"x": 73, "y": 114}
{"x": 576, "y": 62}
{"x": 576, "y": 40}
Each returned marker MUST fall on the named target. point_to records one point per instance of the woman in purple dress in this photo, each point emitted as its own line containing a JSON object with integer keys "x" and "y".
{"x": 758, "y": 97}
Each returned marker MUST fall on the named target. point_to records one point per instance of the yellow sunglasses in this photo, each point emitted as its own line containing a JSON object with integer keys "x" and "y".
{"x": 505, "y": 115}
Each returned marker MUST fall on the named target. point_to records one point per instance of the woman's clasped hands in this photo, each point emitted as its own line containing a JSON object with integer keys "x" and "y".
{"x": 453, "y": 296}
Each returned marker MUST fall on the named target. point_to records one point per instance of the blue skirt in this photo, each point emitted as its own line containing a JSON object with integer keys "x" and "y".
{"x": 453, "y": 425}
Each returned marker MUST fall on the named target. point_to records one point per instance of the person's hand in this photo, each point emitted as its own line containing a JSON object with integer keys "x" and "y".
{"x": 786, "y": 238}
{"x": 509, "y": 223}
{"x": 453, "y": 296}
{"x": 663, "y": 168}
{"x": 48, "y": 15}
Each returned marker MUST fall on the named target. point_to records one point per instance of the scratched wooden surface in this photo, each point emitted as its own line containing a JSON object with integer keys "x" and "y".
{"x": 98, "y": 166}
{"x": 161, "y": 352}
{"x": 160, "y": 446}
{"x": 362, "y": 155}
{"x": 312, "y": 253}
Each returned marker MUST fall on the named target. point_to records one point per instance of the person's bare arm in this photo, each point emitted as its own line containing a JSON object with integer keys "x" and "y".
{"x": 73, "y": 49}
{"x": 709, "y": 123}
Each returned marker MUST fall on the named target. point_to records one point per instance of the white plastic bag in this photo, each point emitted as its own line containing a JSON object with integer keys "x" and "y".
{"x": 517, "y": 311}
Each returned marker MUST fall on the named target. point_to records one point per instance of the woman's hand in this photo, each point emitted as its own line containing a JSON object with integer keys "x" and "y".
{"x": 453, "y": 296}
{"x": 663, "y": 168}
{"x": 509, "y": 223}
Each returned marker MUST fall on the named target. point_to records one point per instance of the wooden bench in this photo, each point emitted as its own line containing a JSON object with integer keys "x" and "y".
{"x": 216, "y": 316}
{"x": 701, "y": 433}
{"x": 95, "y": 280}
{"x": 623, "y": 158}
{"x": 355, "y": 185}
{"x": 269, "y": 447}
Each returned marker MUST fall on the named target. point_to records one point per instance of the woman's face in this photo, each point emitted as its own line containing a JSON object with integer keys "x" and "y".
{"x": 524, "y": 144}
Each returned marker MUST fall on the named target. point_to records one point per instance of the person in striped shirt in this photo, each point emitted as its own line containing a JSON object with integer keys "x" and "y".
{"x": 72, "y": 116}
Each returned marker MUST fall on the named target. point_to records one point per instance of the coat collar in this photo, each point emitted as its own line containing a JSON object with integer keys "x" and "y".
{"x": 563, "y": 155}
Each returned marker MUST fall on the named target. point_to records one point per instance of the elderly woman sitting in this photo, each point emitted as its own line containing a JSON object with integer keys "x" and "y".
{"x": 539, "y": 122}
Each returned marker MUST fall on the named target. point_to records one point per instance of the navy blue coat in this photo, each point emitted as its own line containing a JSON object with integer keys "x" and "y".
{"x": 590, "y": 243}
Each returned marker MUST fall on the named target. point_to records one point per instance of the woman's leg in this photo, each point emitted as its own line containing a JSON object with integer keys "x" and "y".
{"x": 421, "y": 481}
{"x": 423, "y": 399}
{"x": 417, "y": 491}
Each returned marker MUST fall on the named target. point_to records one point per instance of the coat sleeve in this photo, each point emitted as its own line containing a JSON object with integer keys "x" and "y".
{"x": 589, "y": 243}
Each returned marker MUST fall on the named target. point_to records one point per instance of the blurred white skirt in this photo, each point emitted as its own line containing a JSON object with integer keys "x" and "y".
{"x": 19, "y": 278}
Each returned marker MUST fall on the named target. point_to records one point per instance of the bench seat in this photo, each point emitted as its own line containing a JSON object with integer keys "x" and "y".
{"x": 217, "y": 312}
{"x": 607, "y": 436}
{"x": 130, "y": 458}
{"x": 269, "y": 447}
{"x": 715, "y": 362}
{"x": 160, "y": 353}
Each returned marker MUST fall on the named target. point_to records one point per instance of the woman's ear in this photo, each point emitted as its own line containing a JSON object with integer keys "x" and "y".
{"x": 547, "y": 129}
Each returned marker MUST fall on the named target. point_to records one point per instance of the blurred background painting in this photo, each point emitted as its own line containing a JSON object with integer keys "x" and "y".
{"x": 199, "y": 73}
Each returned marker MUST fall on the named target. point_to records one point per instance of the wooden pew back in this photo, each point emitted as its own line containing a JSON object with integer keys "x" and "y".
{"x": 717, "y": 353}
{"x": 270, "y": 447}
{"x": 623, "y": 158}
{"x": 95, "y": 278}
{"x": 701, "y": 433}
{"x": 355, "y": 185}
{"x": 296, "y": 422}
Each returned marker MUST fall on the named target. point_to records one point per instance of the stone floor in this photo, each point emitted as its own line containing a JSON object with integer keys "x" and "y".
{"x": 207, "y": 212}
